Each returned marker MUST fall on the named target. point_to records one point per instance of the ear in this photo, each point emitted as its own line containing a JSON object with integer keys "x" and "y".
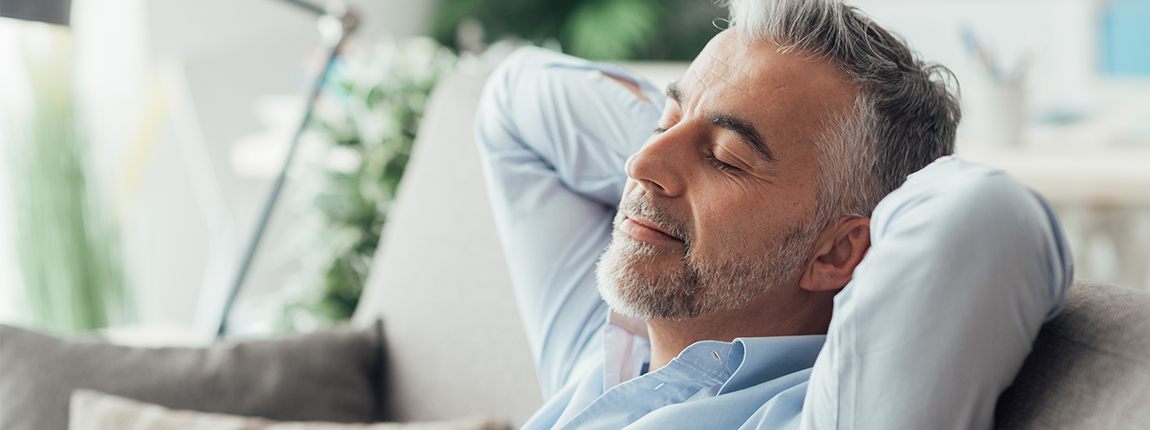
{"x": 838, "y": 250}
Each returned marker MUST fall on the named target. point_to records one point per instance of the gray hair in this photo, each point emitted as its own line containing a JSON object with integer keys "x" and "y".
{"x": 904, "y": 116}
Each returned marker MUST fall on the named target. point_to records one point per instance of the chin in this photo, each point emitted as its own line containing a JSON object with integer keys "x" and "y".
{"x": 642, "y": 281}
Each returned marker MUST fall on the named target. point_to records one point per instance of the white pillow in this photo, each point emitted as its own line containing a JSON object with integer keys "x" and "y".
{"x": 93, "y": 410}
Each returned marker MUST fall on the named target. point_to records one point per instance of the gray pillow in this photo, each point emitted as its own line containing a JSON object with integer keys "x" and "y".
{"x": 324, "y": 376}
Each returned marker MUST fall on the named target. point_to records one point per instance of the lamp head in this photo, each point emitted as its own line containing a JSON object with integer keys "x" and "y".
{"x": 49, "y": 11}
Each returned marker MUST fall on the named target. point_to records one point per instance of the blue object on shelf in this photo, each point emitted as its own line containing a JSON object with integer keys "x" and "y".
{"x": 1126, "y": 37}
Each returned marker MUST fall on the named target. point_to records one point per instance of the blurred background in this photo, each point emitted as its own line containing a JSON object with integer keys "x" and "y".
{"x": 140, "y": 140}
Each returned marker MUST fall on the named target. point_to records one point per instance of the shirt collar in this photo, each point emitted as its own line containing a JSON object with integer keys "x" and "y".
{"x": 757, "y": 359}
{"x": 742, "y": 363}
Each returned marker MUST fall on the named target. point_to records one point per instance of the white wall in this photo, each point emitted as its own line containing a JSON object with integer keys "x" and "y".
{"x": 1059, "y": 34}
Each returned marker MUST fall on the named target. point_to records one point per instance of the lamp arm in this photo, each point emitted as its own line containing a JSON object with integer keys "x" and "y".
{"x": 336, "y": 24}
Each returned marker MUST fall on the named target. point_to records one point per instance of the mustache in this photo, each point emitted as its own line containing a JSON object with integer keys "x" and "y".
{"x": 638, "y": 205}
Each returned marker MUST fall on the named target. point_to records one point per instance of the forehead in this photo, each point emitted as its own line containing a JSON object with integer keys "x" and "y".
{"x": 784, "y": 94}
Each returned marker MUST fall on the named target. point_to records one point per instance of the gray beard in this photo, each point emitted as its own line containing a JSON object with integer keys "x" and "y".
{"x": 696, "y": 287}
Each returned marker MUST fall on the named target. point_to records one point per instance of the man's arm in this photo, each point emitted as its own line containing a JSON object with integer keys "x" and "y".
{"x": 554, "y": 132}
{"x": 965, "y": 266}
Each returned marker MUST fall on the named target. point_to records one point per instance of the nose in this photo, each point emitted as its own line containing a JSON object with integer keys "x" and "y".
{"x": 658, "y": 166}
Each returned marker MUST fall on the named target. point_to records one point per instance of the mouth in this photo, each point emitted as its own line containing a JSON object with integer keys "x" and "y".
{"x": 647, "y": 231}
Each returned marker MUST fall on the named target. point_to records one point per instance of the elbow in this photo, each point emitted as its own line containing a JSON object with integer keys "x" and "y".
{"x": 982, "y": 218}
{"x": 506, "y": 80}
{"x": 494, "y": 118}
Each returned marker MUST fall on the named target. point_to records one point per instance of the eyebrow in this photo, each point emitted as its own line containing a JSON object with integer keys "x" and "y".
{"x": 747, "y": 132}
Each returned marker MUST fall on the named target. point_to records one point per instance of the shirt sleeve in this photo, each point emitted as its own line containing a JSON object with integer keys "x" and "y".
{"x": 554, "y": 133}
{"x": 965, "y": 266}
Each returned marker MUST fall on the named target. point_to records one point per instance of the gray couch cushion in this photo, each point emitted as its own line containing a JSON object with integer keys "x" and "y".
{"x": 1090, "y": 367}
{"x": 330, "y": 376}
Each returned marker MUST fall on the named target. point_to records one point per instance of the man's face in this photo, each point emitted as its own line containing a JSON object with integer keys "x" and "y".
{"x": 720, "y": 202}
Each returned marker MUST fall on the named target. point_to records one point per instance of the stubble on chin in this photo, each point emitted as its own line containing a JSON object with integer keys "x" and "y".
{"x": 634, "y": 280}
{"x": 648, "y": 282}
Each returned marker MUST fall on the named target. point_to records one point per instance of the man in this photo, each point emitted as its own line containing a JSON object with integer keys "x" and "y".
{"x": 751, "y": 277}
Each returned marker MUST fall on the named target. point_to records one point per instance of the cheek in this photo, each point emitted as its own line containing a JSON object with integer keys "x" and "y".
{"x": 732, "y": 223}
{"x": 748, "y": 223}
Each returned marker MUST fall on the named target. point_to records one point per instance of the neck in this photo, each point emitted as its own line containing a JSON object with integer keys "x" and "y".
{"x": 791, "y": 312}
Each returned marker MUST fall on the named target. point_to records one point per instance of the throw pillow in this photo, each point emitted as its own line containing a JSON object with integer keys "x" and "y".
{"x": 329, "y": 375}
{"x": 92, "y": 410}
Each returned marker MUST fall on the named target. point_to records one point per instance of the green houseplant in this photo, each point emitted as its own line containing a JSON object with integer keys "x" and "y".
{"x": 66, "y": 241}
{"x": 363, "y": 132}
{"x": 672, "y": 30}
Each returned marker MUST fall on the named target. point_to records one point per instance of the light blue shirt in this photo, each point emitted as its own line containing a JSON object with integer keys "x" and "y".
{"x": 965, "y": 265}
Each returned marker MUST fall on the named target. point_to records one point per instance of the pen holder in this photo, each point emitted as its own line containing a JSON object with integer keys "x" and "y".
{"x": 1006, "y": 109}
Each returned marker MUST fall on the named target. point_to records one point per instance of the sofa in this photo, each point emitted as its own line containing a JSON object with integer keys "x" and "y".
{"x": 452, "y": 344}
{"x": 440, "y": 284}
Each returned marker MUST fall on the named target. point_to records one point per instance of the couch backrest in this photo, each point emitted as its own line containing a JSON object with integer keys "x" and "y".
{"x": 456, "y": 347}
{"x": 455, "y": 344}
{"x": 1090, "y": 366}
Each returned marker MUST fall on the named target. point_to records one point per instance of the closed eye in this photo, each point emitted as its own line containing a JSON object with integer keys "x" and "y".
{"x": 711, "y": 158}
{"x": 719, "y": 164}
